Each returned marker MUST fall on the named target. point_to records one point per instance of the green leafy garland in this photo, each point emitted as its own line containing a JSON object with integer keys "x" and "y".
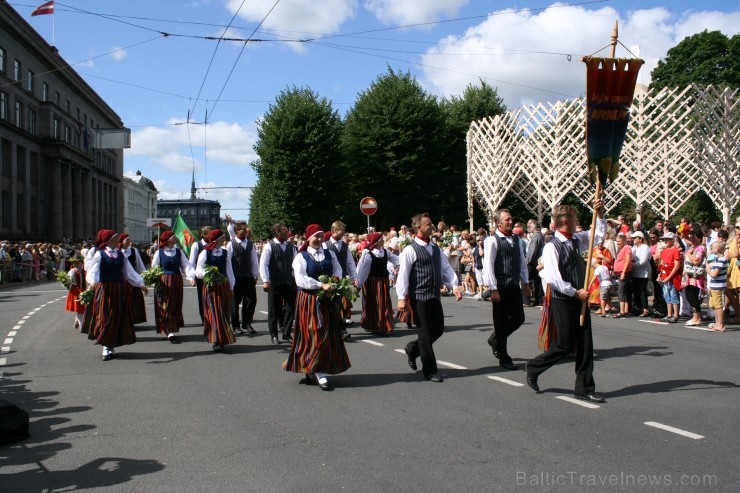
{"x": 343, "y": 288}
{"x": 153, "y": 276}
{"x": 213, "y": 276}
{"x": 62, "y": 277}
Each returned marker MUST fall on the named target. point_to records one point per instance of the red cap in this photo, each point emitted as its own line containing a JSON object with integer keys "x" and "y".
{"x": 213, "y": 235}
{"x": 165, "y": 237}
{"x": 372, "y": 239}
{"x": 104, "y": 236}
{"x": 311, "y": 230}
{"x": 122, "y": 238}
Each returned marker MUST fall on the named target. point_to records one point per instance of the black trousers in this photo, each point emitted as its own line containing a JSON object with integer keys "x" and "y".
{"x": 508, "y": 315}
{"x": 538, "y": 292}
{"x": 639, "y": 290}
{"x": 280, "y": 308}
{"x": 245, "y": 293}
{"x": 199, "y": 288}
{"x": 566, "y": 314}
{"x": 431, "y": 318}
{"x": 692, "y": 295}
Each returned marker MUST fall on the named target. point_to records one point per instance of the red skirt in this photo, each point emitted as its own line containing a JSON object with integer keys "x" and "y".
{"x": 217, "y": 314}
{"x": 111, "y": 326}
{"x": 317, "y": 342}
{"x": 168, "y": 305}
{"x": 135, "y": 302}
{"x": 377, "y": 313}
{"x": 73, "y": 302}
{"x": 346, "y": 308}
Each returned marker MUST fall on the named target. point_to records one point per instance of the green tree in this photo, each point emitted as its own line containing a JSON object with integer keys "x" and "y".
{"x": 477, "y": 102}
{"x": 705, "y": 58}
{"x": 301, "y": 176}
{"x": 394, "y": 146}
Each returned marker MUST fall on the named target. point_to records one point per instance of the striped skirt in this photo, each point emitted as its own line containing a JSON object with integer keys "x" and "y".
{"x": 317, "y": 341}
{"x": 135, "y": 302}
{"x": 87, "y": 318}
{"x": 168, "y": 304}
{"x": 111, "y": 326}
{"x": 73, "y": 304}
{"x": 377, "y": 313}
{"x": 407, "y": 315}
{"x": 217, "y": 314}
{"x": 346, "y": 308}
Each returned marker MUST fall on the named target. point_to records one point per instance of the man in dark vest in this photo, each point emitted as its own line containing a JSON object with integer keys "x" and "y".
{"x": 195, "y": 250}
{"x": 564, "y": 271}
{"x": 534, "y": 252}
{"x": 336, "y": 244}
{"x": 423, "y": 270}
{"x": 245, "y": 264}
{"x": 276, "y": 271}
{"x": 504, "y": 268}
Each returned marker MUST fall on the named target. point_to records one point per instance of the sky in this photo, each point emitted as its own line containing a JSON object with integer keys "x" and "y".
{"x": 192, "y": 78}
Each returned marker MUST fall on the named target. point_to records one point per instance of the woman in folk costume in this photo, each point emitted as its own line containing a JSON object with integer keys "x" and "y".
{"x": 77, "y": 279}
{"x": 317, "y": 349}
{"x": 372, "y": 275}
{"x": 217, "y": 297}
{"x": 134, "y": 296}
{"x": 108, "y": 272}
{"x": 168, "y": 296}
{"x": 89, "y": 315}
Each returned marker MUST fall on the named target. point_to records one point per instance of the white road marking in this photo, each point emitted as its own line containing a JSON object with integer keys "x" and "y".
{"x": 21, "y": 322}
{"x": 5, "y": 349}
{"x": 35, "y": 310}
{"x": 674, "y": 430}
{"x": 16, "y": 327}
{"x": 12, "y": 333}
{"x": 3, "y": 361}
{"x": 27, "y": 317}
{"x": 400, "y": 351}
{"x": 652, "y": 322}
{"x": 8, "y": 340}
{"x": 577, "y": 401}
{"x": 263, "y": 312}
{"x": 506, "y": 380}
{"x": 698, "y": 328}
{"x": 451, "y": 365}
{"x": 374, "y": 343}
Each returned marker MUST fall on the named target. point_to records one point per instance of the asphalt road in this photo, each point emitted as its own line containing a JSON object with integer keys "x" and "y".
{"x": 164, "y": 417}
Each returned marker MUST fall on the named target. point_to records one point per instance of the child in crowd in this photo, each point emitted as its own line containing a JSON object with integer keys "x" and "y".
{"x": 717, "y": 284}
{"x": 605, "y": 286}
{"x": 77, "y": 279}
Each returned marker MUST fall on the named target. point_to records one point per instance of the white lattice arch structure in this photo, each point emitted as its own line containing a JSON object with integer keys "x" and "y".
{"x": 679, "y": 141}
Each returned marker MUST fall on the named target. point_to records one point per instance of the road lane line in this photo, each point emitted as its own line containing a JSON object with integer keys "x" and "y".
{"x": 21, "y": 322}
{"x": 674, "y": 430}
{"x": 506, "y": 380}
{"x": 16, "y": 327}
{"x": 577, "y": 401}
{"x": 652, "y": 322}
{"x": 27, "y": 317}
{"x": 3, "y": 361}
{"x": 451, "y": 365}
{"x": 12, "y": 333}
{"x": 8, "y": 340}
{"x": 374, "y": 343}
{"x": 400, "y": 351}
{"x": 698, "y": 328}
{"x": 5, "y": 349}
{"x": 263, "y": 312}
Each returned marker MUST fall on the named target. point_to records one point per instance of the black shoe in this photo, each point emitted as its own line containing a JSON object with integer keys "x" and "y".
{"x": 532, "y": 382}
{"x": 288, "y": 338}
{"x": 435, "y": 377}
{"x": 412, "y": 361}
{"x": 345, "y": 335}
{"x": 492, "y": 343}
{"x": 238, "y": 331}
{"x": 309, "y": 381}
{"x": 275, "y": 340}
{"x": 249, "y": 329}
{"x": 173, "y": 339}
{"x": 590, "y": 398}
{"x": 325, "y": 386}
{"x": 217, "y": 348}
{"x": 105, "y": 357}
{"x": 509, "y": 365}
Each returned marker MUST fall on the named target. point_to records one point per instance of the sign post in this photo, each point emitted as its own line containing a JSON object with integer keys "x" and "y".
{"x": 368, "y": 206}
{"x": 158, "y": 222}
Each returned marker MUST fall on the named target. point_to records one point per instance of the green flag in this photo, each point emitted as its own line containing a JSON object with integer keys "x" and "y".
{"x": 183, "y": 233}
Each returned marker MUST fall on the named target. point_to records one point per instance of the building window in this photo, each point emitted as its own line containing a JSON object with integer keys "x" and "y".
{"x": 7, "y": 158}
{"x": 29, "y": 81}
{"x": 3, "y": 105}
{"x": 44, "y": 92}
{"x": 18, "y": 114}
{"x": 31, "y": 122}
{"x": 21, "y": 210}
{"x": 3, "y": 56}
{"x": 6, "y": 210}
{"x": 56, "y": 128}
{"x": 34, "y": 162}
{"x": 67, "y": 134}
{"x": 17, "y": 71}
{"x": 57, "y": 98}
{"x": 21, "y": 166}
{"x": 67, "y": 106}
{"x": 78, "y": 115}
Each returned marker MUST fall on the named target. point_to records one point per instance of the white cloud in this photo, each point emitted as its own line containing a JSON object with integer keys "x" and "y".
{"x": 393, "y": 12}
{"x": 170, "y": 146}
{"x": 118, "y": 53}
{"x": 488, "y": 50}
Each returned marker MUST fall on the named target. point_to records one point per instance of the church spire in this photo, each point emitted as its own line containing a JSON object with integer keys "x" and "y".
{"x": 192, "y": 187}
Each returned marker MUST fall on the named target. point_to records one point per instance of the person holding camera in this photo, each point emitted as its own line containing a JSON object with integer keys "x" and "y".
{"x": 694, "y": 269}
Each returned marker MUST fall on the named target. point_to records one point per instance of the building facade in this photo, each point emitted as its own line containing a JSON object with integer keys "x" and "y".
{"x": 58, "y": 177}
{"x": 196, "y": 212}
{"x": 140, "y": 203}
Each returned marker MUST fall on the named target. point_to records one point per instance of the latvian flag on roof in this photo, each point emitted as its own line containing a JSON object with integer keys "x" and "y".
{"x": 47, "y": 8}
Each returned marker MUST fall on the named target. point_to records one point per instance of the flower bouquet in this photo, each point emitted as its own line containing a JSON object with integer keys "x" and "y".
{"x": 62, "y": 277}
{"x": 86, "y": 297}
{"x": 445, "y": 240}
{"x": 403, "y": 244}
{"x": 343, "y": 288}
{"x": 153, "y": 276}
{"x": 213, "y": 276}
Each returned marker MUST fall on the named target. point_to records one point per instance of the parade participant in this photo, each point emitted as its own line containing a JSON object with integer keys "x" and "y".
{"x": 504, "y": 270}
{"x": 245, "y": 264}
{"x": 317, "y": 349}
{"x": 134, "y": 296}
{"x": 77, "y": 279}
{"x": 195, "y": 250}
{"x": 108, "y": 272}
{"x": 372, "y": 275}
{"x": 564, "y": 273}
{"x": 276, "y": 271}
{"x": 423, "y": 269}
{"x": 168, "y": 296}
{"x": 340, "y": 248}
{"x": 534, "y": 252}
{"x": 217, "y": 297}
